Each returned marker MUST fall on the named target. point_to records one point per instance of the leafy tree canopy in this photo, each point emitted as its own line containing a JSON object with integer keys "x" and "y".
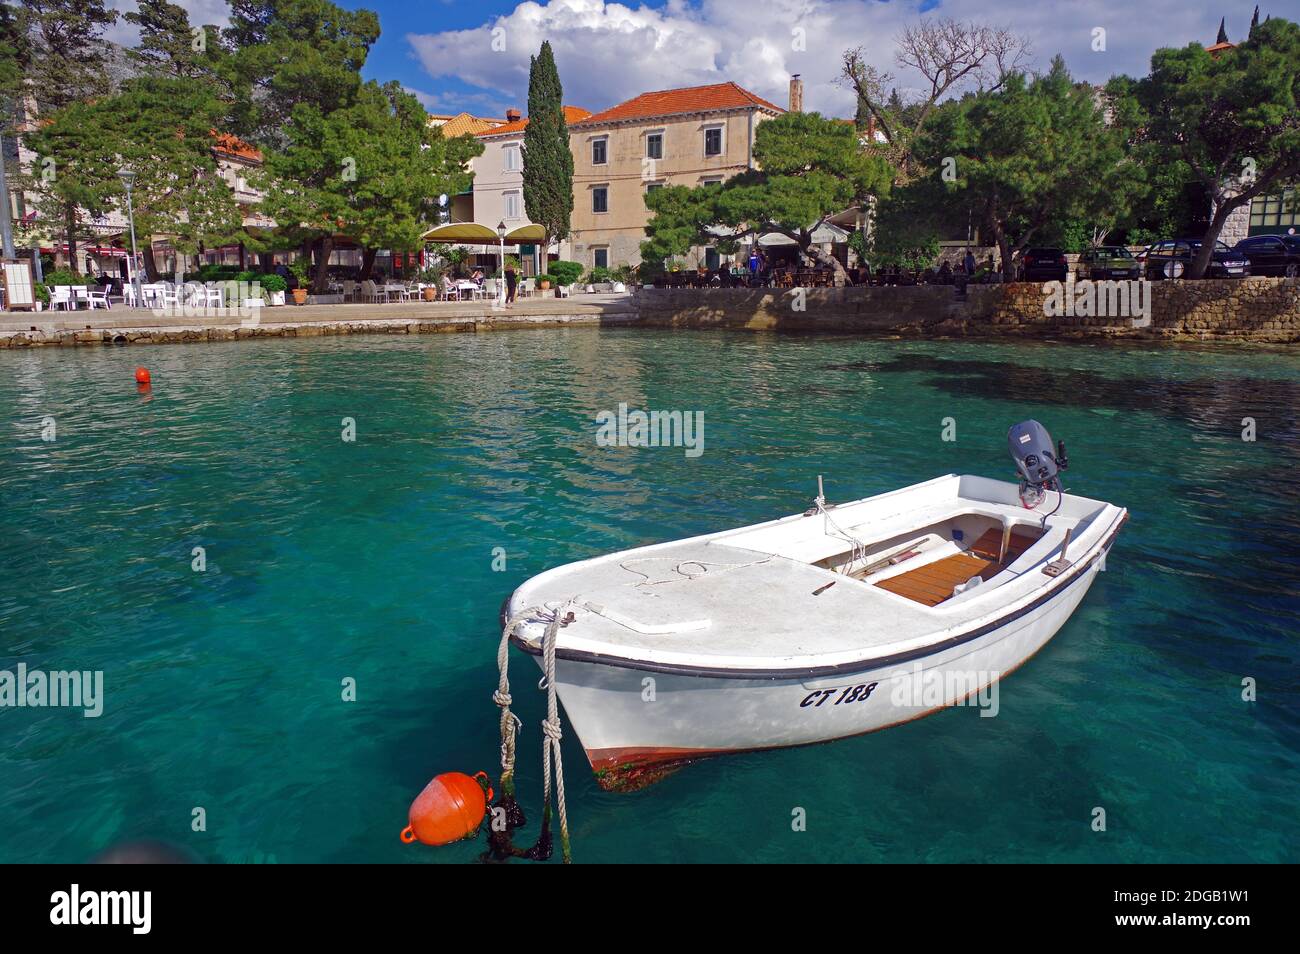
{"x": 810, "y": 168}
{"x": 1232, "y": 119}
{"x": 1032, "y": 152}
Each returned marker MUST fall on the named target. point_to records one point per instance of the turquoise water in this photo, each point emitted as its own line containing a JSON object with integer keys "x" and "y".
{"x": 374, "y": 560}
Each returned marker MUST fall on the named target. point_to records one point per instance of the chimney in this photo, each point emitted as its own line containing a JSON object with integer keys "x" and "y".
{"x": 513, "y": 115}
{"x": 796, "y": 94}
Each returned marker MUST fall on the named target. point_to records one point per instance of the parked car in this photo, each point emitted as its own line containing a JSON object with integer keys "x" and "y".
{"x": 1271, "y": 254}
{"x": 1108, "y": 261}
{"x": 1044, "y": 265}
{"x": 1173, "y": 259}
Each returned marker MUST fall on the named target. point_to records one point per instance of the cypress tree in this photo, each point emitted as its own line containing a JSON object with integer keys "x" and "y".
{"x": 548, "y": 164}
{"x": 1254, "y": 22}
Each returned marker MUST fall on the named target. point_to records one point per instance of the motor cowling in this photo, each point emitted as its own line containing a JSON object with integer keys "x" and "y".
{"x": 1038, "y": 461}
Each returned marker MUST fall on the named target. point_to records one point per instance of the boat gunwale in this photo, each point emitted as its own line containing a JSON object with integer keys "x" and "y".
{"x": 1050, "y": 592}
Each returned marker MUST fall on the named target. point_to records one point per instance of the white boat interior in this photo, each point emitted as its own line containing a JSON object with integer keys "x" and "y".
{"x": 834, "y": 585}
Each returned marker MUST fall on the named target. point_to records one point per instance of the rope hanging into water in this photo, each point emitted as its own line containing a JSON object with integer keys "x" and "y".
{"x": 500, "y": 842}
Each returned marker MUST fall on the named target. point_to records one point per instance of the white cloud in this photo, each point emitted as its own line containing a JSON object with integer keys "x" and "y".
{"x": 608, "y": 52}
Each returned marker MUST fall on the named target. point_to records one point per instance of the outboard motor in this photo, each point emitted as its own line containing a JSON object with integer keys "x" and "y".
{"x": 1039, "y": 463}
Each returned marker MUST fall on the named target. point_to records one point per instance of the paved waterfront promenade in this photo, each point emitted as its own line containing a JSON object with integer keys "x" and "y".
{"x": 135, "y": 325}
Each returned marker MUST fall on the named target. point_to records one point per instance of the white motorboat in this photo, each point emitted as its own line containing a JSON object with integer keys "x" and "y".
{"x": 841, "y": 620}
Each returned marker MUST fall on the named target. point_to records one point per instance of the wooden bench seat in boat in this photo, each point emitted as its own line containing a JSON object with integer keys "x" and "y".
{"x": 933, "y": 583}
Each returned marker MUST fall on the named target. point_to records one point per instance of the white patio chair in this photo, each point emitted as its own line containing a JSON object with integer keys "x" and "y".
{"x": 372, "y": 292}
{"x": 349, "y": 289}
{"x": 213, "y": 297}
{"x": 61, "y": 297}
{"x": 525, "y": 288}
{"x": 450, "y": 292}
{"x": 170, "y": 296}
{"x": 490, "y": 288}
{"x": 95, "y": 297}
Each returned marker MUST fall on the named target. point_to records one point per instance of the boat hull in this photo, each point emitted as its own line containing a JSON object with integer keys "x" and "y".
{"x": 636, "y": 723}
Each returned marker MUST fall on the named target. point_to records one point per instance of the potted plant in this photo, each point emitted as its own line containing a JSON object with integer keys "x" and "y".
{"x": 274, "y": 286}
{"x": 431, "y": 277}
{"x": 544, "y": 281}
{"x": 301, "y": 272}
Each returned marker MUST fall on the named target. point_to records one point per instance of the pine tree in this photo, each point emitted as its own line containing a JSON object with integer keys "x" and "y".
{"x": 862, "y": 118}
{"x": 69, "y": 56}
{"x": 168, "y": 44}
{"x": 548, "y": 163}
{"x": 68, "y": 66}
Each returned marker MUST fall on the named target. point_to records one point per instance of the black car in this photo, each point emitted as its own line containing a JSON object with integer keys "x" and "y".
{"x": 1271, "y": 254}
{"x": 1108, "y": 261}
{"x": 1044, "y": 265}
{"x": 1173, "y": 259}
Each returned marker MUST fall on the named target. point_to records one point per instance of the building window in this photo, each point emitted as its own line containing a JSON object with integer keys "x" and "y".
{"x": 712, "y": 180}
{"x": 1275, "y": 213}
{"x": 599, "y": 151}
{"x": 511, "y": 156}
{"x": 653, "y": 187}
{"x": 600, "y": 258}
{"x": 713, "y": 141}
{"x": 513, "y": 210}
{"x": 654, "y": 145}
{"x": 600, "y": 199}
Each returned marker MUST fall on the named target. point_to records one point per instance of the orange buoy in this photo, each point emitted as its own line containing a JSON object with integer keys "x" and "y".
{"x": 142, "y": 376}
{"x": 450, "y": 808}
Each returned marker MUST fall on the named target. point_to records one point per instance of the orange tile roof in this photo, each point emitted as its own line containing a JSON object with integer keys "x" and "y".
{"x": 463, "y": 123}
{"x": 572, "y": 114}
{"x": 232, "y": 145}
{"x": 692, "y": 99}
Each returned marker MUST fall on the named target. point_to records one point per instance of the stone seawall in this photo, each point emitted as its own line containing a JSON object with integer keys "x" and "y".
{"x": 1265, "y": 310}
{"x": 1254, "y": 309}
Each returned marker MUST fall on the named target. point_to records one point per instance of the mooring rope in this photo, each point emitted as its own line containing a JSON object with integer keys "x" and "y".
{"x": 552, "y": 732}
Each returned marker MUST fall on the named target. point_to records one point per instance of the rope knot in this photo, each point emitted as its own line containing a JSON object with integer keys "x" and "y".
{"x": 502, "y": 699}
{"x": 551, "y": 729}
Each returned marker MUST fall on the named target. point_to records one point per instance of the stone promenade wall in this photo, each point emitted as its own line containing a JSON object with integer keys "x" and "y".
{"x": 1251, "y": 310}
{"x": 1254, "y": 309}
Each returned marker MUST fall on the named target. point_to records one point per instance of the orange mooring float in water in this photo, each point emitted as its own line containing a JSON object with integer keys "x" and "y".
{"x": 450, "y": 808}
{"x": 142, "y": 376}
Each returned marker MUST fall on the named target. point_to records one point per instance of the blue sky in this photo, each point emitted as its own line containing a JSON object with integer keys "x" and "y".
{"x": 459, "y": 55}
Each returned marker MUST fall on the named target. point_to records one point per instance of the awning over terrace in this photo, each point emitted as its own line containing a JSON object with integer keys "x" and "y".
{"x": 475, "y": 233}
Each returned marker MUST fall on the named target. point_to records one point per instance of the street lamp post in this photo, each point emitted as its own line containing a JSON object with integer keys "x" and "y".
{"x": 128, "y": 179}
{"x": 501, "y": 254}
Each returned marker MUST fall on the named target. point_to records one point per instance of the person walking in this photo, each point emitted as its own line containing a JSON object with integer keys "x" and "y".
{"x": 969, "y": 262}
{"x": 512, "y": 281}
